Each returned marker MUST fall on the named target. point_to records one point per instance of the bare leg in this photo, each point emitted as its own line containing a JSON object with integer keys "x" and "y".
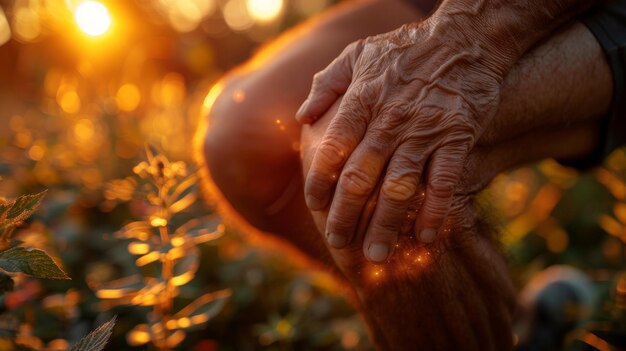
{"x": 249, "y": 153}
{"x": 251, "y": 148}
{"x": 252, "y": 159}
{"x": 456, "y": 293}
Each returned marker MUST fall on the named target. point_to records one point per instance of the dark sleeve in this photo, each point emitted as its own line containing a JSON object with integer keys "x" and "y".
{"x": 607, "y": 23}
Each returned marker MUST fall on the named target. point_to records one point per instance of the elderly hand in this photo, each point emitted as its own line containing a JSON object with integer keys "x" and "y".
{"x": 416, "y": 100}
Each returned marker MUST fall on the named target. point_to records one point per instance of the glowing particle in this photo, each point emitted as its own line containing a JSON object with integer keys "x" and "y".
{"x": 239, "y": 96}
{"x": 93, "y": 18}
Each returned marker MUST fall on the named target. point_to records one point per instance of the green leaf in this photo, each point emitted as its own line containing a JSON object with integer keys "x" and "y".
{"x": 13, "y": 213}
{"x": 33, "y": 262}
{"x": 97, "y": 339}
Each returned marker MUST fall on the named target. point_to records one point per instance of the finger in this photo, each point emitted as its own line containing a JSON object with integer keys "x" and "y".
{"x": 398, "y": 190}
{"x": 344, "y": 133}
{"x": 330, "y": 83}
{"x": 357, "y": 181}
{"x": 444, "y": 172}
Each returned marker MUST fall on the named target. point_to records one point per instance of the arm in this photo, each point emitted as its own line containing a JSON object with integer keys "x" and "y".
{"x": 505, "y": 30}
{"x": 458, "y": 295}
{"x": 415, "y": 103}
{"x": 444, "y": 143}
{"x": 563, "y": 82}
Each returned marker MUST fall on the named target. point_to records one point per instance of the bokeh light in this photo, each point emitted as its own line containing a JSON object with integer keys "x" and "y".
{"x": 264, "y": 10}
{"x": 236, "y": 15}
{"x": 85, "y": 85}
{"x": 5, "y": 30}
{"x": 93, "y": 18}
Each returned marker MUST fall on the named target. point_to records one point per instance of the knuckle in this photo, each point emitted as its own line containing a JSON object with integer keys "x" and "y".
{"x": 317, "y": 183}
{"x": 460, "y": 123}
{"x": 331, "y": 153}
{"x": 394, "y": 117}
{"x": 442, "y": 185}
{"x": 319, "y": 80}
{"x": 353, "y": 49}
{"x": 399, "y": 189}
{"x": 379, "y": 142}
{"x": 364, "y": 94}
{"x": 340, "y": 223}
{"x": 384, "y": 227}
{"x": 356, "y": 182}
{"x": 435, "y": 211}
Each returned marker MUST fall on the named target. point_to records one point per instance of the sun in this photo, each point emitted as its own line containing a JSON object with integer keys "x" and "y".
{"x": 93, "y": 18}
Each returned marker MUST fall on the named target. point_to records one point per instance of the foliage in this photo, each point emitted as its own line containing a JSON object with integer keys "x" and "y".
{"x": 168, "y": 253}
{"x": 554, "y": 215}
{"x": 76, "y": 113}
{"x": 97, "y": 339}
{"x": 34, "y": 262}
{"x": 16, "y": 259}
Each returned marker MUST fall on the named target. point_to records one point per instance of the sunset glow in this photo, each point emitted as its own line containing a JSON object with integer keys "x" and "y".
{"x": 93, "y": 18}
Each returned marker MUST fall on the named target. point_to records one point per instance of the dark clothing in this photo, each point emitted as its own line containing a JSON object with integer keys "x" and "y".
{"x": 607, "y": 22}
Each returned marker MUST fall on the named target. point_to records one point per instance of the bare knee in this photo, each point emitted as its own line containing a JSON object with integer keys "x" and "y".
{"x": 245, "y": 154}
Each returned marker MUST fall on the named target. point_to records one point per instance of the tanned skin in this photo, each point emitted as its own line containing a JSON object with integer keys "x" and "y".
{"x": 454, "y": 293}
{"x": 416, "y": 101}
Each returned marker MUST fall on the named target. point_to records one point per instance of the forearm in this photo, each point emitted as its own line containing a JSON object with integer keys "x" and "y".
{"x": 505, "y": 30}
{"x": 565, "y": 81}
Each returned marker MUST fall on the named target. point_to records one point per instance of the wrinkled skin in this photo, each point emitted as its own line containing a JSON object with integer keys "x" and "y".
{"x": 404, "y": 104}
{"x": 415, "y": 102}
{"x": 413, "y": 307}
{"x": 453, "y": 295}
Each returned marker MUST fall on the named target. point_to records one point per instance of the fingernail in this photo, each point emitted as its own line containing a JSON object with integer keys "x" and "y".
{"x": 314, "y": 203}
{"x": 378, "y": 252}
{"x": 337, "y": 241}
{"x": 428, "y": 235}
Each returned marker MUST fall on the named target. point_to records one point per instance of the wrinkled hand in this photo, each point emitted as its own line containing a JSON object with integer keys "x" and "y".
{"x": 415, "y": 102}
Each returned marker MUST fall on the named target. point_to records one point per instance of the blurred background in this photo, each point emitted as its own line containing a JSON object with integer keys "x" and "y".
{"x": 85, "y": 85}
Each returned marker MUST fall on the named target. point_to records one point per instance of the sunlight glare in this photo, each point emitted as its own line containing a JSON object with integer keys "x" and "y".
{"x": 264, "y": 10}
{"x": 93, "y": 18}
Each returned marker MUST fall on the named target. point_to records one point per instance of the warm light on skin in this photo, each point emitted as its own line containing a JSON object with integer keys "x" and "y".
{"x": 93, "y": 18}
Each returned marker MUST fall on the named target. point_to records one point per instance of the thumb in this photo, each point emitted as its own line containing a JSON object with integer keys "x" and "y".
{"x": 330, "y": 83}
